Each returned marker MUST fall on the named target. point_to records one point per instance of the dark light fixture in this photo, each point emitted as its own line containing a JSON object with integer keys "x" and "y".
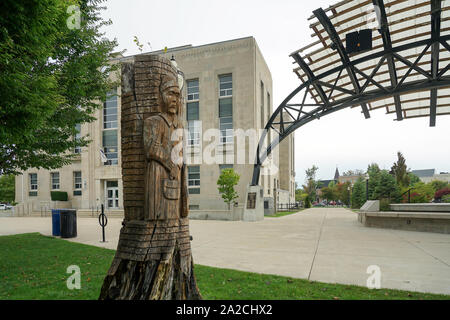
{"x": 358, "y": 41}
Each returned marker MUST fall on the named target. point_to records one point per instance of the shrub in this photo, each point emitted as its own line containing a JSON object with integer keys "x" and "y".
{"x": 439, "y": 185}
{"x": 59, "y": 196}
{"x": 385, "y": 204}
{"x": 423, "y": 193}
{"x": 307, "y": 203}
{"x": 440, "y": 193}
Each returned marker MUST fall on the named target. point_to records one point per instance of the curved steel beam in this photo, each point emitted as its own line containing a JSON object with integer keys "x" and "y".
{"x": 440, "y": 80}
{"x": 337, "y": 43}
{"x": 387, "y": 44}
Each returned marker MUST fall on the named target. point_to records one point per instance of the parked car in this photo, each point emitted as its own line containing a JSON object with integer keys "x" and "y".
{"x": 2, "y": 206}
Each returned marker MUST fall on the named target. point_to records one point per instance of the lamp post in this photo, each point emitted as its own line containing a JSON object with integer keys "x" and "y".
{"x": 349, "y": 199}
{"x": 367, "y": 187}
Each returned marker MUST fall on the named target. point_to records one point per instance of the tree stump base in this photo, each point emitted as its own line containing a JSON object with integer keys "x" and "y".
{"x": 153, "y": 262}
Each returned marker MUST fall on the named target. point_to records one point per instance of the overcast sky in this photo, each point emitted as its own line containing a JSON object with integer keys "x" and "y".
{"x": 343, "y": 139}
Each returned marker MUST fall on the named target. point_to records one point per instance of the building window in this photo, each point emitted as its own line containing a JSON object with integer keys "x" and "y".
{"x": 110, "y": 110}
{"x": 193, "y": 90}
{"x": 226, "y": 85}
{"x": 77, "y": 183}
{"x": 193, "y": 115}
{"x": 262, "y": 106}
{"x": 77, "y": 137}
{"x": 110, "y": 145}
{"x": 194, "y": 128}
{"x": 54, "y": 176}
{"x": 33, "y": 181}
{"x": 226, "y": 109}
{"x": 225, "y": 166}
{"x": 194, "y": 179}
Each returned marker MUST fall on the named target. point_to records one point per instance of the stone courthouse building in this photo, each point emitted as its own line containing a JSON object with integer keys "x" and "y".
{"x": 228, "y": 86}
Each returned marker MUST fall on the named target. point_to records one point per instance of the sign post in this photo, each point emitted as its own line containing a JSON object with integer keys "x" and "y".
{"x": 103, "y": 221}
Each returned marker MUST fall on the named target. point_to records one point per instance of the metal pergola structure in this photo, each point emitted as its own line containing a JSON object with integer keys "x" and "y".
{"x": 404, "y": 73}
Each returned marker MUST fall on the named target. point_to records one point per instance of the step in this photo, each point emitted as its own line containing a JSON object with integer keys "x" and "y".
{"x": 421, "y": 207}
{"x": 409, "y": 215}
{"x": 438, "y": 222}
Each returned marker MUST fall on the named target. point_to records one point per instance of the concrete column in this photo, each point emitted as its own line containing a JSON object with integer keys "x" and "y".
{"x": 254, "y": 204}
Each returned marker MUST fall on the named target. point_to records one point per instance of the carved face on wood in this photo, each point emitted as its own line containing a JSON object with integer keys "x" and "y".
{"x": 171, "y": 100}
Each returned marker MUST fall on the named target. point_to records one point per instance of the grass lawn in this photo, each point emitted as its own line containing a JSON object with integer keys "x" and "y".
{"x": 33, "y": 266}
{"x": 283, "y": 213}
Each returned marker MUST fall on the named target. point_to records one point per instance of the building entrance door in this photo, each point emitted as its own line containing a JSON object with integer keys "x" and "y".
{"x": 112, "y": 195}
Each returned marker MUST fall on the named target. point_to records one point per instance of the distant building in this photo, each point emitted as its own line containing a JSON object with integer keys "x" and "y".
{"x": 336, "y": 175}
{"x": 228, "y": 86}
{"x": 351, "y": 179}
{"x": 425, "y": 173}
{"x": 428, "y": 175}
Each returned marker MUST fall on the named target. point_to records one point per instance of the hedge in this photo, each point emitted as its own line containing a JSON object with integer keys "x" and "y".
{"x": 59, "y": 196}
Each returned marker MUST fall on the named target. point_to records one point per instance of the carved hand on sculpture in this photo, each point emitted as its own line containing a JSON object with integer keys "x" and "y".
{"x": 174, "y": 172}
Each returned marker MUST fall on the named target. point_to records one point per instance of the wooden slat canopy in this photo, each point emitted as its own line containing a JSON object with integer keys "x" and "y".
{"x": 405, "y": 73}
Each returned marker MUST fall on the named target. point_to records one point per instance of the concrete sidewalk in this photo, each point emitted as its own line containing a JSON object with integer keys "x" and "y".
{"x": 322, "y": 244}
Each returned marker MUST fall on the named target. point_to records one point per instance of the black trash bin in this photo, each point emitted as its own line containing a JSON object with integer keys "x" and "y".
{"x": 68, "y": 219}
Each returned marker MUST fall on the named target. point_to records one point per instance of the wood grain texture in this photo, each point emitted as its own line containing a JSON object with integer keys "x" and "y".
{"x": 153, "y": 260}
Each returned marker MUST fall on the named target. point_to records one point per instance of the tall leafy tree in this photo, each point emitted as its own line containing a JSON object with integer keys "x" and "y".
{"x": 359, "y": 193}
{"x": 387, "y": 187}
{"x": 413, "y": 179}
{"x": 54, "y": 65}
{"x": 343, "y": 192}
{"x": 7, "y": 188}
{"x": 400, "y": 171}
{"x": 311, "y": 184}
{"x": 356, "y": 172}
{"x": 373, "y": 170}
{"x": 328, "y": 193}
{"x": 228, "y": 179}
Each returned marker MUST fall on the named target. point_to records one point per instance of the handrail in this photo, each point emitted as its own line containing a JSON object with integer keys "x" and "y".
{"x": 409, "y": 194}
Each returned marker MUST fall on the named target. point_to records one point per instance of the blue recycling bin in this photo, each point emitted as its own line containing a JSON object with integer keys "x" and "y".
{"x": 56, "y": 222}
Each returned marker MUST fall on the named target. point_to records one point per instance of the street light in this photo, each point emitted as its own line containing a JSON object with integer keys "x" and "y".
{"x": 367, "y": 186}
{"x": 348, "y": 188}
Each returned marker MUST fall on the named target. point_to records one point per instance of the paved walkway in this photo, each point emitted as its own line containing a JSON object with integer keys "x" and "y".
{"x": 322, "y": 244}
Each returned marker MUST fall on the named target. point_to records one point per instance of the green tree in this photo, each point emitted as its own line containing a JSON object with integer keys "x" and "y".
{"x": 422, "y": 192}
{"x": 387, "y": 187}
{"x": 400, "y": 171}
{"x": 356, "y": 172}
{"x": 359, "y": 193}
{"x": 311, "y": 183}
{"x": 343, "y": 192}
{"x": 413, "y": 178}
{"x": 54, "y": 66}
{"x": 7, "y": 188}
{"x": 299, "y": 195}
{"x": 307, "y": 202}
{"x": 438, "y": 185}
{"x": 228, "y": 179}
{"x": 373, "y": 170}
{"x": 328, "y": 193}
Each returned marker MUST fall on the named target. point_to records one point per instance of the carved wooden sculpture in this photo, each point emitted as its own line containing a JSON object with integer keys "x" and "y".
{"x": 153, "y": 258}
